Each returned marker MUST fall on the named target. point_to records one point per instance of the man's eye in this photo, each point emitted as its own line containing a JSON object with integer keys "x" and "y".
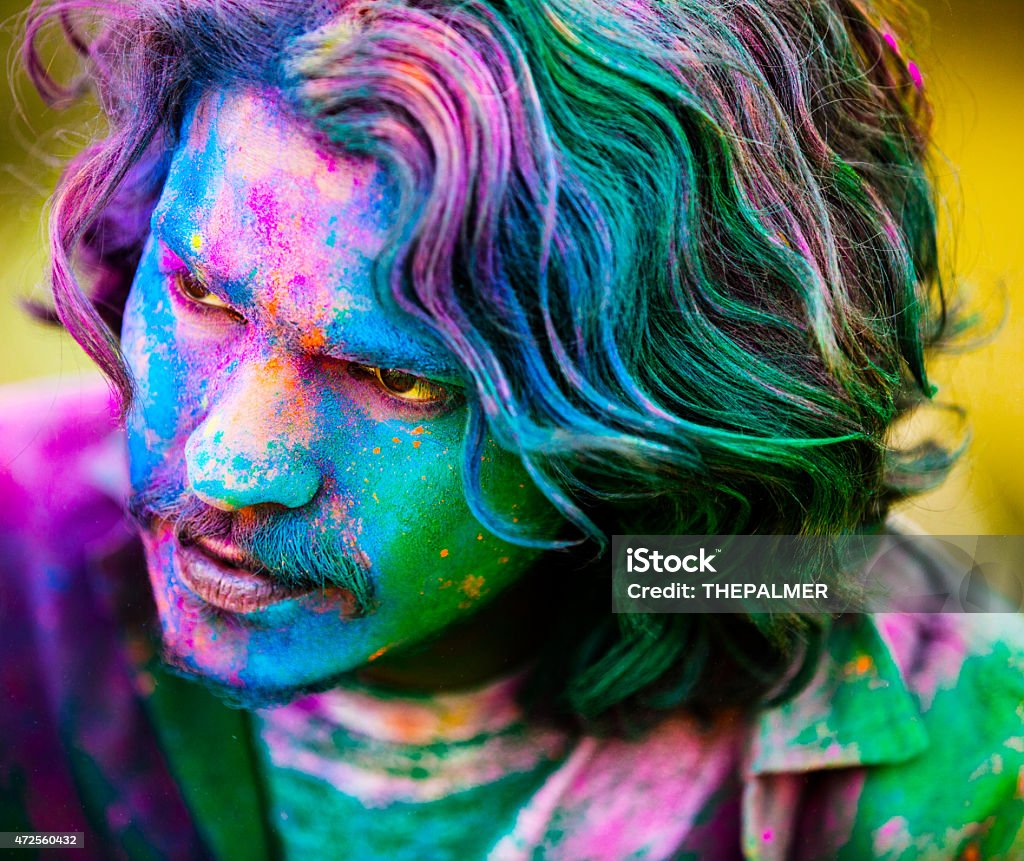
{"x": 403, "y": 385}
{"x": 192, "y": 289}
{"x": 409, "y": 387}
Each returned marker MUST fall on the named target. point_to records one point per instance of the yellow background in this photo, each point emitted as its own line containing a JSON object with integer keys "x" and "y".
{"x": 971, "y": 56}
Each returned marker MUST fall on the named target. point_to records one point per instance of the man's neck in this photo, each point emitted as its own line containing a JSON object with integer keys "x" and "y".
{"x": 404, "y": 776}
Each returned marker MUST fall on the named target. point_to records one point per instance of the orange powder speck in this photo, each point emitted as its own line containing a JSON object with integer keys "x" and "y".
{"x": 395, "y": 439}
{"x": 314, "y": 340}
{"x": 480, "y": 537}
{"x": 416, "y": 443}
{"x": 472, "y": 586}
{"x": 377, "y": 450}
{"x": 417, "y": 430}
{"x": 862, "y": 664}
{"x": 515, "y": 519}
{"x": 970, "y": 853}
{"x": 503, "y": 560}
{"x": 444, "y": 553}
{"x": 378, "y": 653}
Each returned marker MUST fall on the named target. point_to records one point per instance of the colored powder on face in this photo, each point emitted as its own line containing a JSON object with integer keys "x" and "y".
{"x": 381, "y": 651}
{"x": 472, "y": 586}
{"x": 312, "y": 341}
{"x": 263, "y": 204}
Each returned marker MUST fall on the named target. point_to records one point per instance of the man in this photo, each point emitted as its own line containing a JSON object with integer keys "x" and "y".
{"x": 415, "y": 305}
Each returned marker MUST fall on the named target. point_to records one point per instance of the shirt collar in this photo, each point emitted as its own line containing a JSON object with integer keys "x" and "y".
{"x": 855, "y": 711}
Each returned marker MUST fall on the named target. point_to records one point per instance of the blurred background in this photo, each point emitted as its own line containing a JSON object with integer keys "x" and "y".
{"x": 971, "y": 57}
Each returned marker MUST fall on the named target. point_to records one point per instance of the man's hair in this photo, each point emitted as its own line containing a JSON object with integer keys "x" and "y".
{"x": 684, "y": 250}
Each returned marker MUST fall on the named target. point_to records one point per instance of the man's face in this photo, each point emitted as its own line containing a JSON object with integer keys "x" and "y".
{"x": 297, "y": 444}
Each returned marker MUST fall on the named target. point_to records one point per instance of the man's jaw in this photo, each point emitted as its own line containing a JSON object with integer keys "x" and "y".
{"x": 249, "y": 696}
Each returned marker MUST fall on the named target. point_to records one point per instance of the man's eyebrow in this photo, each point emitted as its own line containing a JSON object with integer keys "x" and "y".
{"x": 411, "y": 360}
{"x": 172, "y": 237}
{"x": 188, "y": 247}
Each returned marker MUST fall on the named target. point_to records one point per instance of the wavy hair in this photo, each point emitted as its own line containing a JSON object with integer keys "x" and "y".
{"x": 684, "y": 250}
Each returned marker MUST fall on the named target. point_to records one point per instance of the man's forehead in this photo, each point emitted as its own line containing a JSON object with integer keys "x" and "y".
{"x": 260, "y": 138}
{"x": 246, "y": 159}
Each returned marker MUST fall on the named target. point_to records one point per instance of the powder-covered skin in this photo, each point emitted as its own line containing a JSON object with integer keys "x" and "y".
{"x": 256, "y": 400}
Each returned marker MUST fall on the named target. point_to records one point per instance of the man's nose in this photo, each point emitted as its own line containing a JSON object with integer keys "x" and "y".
{"x": 253, "y": 446}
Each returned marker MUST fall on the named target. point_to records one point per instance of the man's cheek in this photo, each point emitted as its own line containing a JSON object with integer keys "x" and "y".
{"x": 154, "y": 411}
{"x": 429, "y": 552}
{"x": 168, "y": 397}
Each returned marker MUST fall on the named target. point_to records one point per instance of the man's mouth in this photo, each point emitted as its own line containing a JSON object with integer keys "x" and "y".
{"x": 214, "y": 569}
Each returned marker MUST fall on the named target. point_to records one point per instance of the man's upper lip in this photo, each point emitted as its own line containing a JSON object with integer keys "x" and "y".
{"x": 224, "y": 550}
{"x": 232, "y": 584}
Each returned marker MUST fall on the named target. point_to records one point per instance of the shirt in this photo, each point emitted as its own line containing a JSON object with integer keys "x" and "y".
{"x": 907, "y": 744}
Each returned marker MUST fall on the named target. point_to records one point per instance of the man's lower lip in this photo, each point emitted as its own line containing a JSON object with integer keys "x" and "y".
{"x": 235, "y": 590}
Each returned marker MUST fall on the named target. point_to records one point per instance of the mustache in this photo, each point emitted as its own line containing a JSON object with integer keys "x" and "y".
{"x": 276, "y": 542}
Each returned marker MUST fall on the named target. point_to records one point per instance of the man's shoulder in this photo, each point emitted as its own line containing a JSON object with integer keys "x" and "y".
{"x": 966, "y": 672}
{"x": 909, "y": 739}
{"x": 962, "y": 794}
{"x": 945, "y": 651}
{"x": 62, "y": 463}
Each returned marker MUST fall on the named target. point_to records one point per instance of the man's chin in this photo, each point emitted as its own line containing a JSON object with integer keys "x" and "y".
{"x": 250, "y": 696}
